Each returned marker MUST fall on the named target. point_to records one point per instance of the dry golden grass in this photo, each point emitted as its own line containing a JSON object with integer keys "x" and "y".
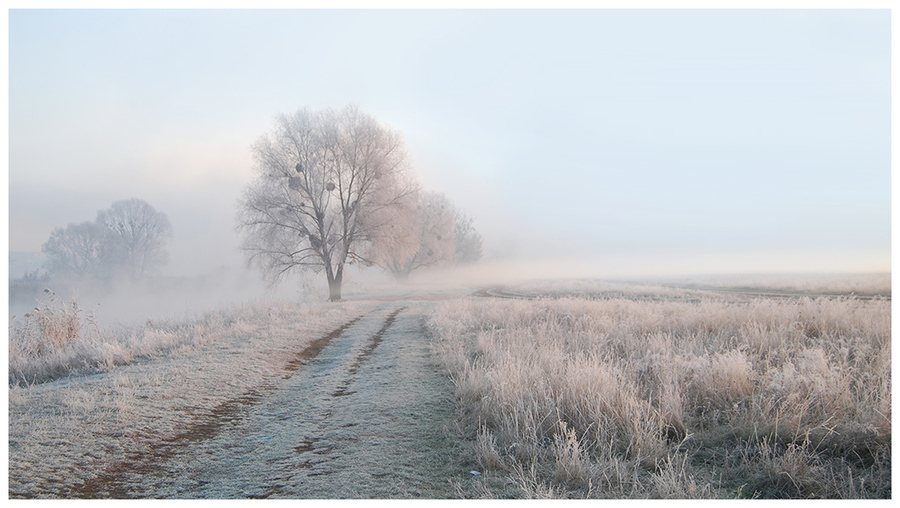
{"x": 695, "y": 398}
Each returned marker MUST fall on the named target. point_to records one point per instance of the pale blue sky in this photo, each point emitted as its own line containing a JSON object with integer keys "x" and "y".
{"x": 647, "y": 141}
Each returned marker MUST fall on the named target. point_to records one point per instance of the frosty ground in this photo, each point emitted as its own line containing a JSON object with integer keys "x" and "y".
{"x": 402, "y": 393}
{"x": 340, "y": 401}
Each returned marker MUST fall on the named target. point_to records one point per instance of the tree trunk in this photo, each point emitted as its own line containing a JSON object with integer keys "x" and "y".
{"x": 334, "y": 286}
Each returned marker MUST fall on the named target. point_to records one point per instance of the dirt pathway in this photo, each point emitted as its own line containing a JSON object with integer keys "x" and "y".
{"x": 365, "y": 417}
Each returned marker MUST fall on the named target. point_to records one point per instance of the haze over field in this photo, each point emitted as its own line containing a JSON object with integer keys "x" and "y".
{"x": 587, "y": 142}
{"x": 567, "y": 254}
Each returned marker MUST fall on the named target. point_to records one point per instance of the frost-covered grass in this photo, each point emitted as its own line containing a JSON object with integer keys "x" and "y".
{"x": 58, "y": 338}
{"x": 92, "y": 410}
{"x": 700, "y": 397}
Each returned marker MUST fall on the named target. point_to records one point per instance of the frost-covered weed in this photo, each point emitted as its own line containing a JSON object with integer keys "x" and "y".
{"x": 53, "y": 324}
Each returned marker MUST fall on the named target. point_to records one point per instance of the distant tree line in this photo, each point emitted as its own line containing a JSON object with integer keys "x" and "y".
{"x": 129, "y": 239}
{"x": 334, "y": 187}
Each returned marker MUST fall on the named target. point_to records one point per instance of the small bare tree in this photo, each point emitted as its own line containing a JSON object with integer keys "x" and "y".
{"x": 439, "y": 235}
{"x": 75, "y": 250}
{"x": 137, "y": 237}
{"x": 431, "y": 226}
{"x": 331, "y": 188}
{"x": 467, "y": 241}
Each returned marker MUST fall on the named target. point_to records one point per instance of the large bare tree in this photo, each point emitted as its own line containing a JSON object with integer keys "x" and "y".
{"x": 331, "y": 188}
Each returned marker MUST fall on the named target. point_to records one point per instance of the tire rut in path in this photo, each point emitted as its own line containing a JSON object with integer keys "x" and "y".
{"x": 365, "y": 354}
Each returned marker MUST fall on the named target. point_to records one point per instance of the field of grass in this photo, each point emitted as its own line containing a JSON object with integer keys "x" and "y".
{"x": 685, "y": 394}
{"x": 563, "y": 389}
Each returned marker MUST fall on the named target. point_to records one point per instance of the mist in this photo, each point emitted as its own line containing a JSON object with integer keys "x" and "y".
{"x": 313, "y": 254}
{"x": 597, "y": 144}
